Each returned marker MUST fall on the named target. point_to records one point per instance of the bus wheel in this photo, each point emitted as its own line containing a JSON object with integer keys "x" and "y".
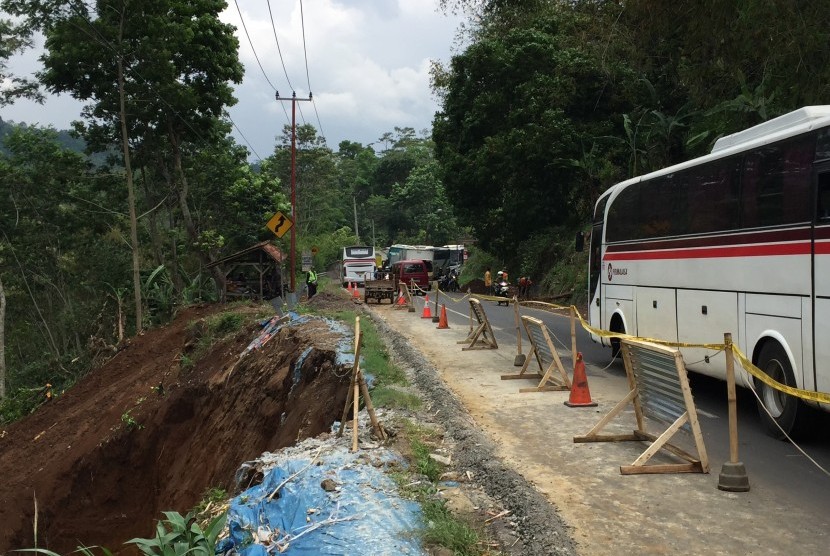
{"x": 788, "y": 412}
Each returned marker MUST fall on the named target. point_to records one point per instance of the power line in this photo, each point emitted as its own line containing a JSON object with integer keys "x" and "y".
{"x": 308, "y": 79}
{"x": 245, "y": 28}
{"x": 274, "y": 27}
{"x": 103, "y": 41}
{"x": 282, "y": 61}
{"x": 227, "y": 115}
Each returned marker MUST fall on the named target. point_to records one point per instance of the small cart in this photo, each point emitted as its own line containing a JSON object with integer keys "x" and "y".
{"x": 378, "y": 290}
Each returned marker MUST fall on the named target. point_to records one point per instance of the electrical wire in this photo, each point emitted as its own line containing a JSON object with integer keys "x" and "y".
{"x": 245, "y": 28}
{"x": 253, "y": 150}
{"x": 279, "y": 50}
{"x": 104, "y": 42}
{"x": 308, "y": 79}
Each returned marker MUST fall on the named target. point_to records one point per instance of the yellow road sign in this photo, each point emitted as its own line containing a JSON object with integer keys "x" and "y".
{"x": 280, "y": 224}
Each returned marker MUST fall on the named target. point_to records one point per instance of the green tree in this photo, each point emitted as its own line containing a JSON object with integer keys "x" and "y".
{"x": 173, "y": 62}
{"x": 521, "y": 107}
{"x": 421, "y": 208}
{"x": 13, "y": 40}
{"x": 743, "y": 61}
{"x": 61, "y": 253}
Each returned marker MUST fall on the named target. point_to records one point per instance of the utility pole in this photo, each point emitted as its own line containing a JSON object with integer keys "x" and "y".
{"x": 294, "y": 210}
{"x": 356, "y": 232}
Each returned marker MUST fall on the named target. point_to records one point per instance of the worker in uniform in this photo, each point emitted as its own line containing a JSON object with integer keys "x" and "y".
{"x": 311, "y": 282}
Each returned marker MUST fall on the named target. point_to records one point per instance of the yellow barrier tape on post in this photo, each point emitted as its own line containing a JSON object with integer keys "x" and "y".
{"x": 486, "y": 297}
{"x": 609, "y": 334}
{"x": 448, "y": 296}
{"x": 545, "y": 305}
{"x": 765, "y": 378}
{"x": 809, "y": 395}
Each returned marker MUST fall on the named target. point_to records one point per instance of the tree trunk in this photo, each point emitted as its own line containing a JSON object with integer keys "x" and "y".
{"x": 130, "y": 189}
{"x": 2, "y": 341}
{"x": 152, "y": 220}
{"x": 206, "y": 257}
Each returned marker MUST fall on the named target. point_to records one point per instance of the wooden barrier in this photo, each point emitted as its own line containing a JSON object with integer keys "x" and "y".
{"x": 659, "y": 391}
{"x": 482, "y": 337}
{"x": 357, "y": 386}
{"x": 544, "y": 353}
{"x": 407, "y": 295}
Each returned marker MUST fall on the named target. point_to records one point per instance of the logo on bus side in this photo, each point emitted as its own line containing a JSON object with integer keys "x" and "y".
{"x": 616, "y": 272}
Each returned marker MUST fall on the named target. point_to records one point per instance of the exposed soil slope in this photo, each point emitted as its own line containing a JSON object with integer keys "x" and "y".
{"x": 98, "y": 479}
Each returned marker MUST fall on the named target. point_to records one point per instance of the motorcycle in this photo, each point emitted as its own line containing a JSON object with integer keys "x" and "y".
{"x": 502, "y": 289}
{"x": 449, "y": 282}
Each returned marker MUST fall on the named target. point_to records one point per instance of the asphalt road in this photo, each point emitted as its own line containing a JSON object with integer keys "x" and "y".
{"x": 771, "y": 464}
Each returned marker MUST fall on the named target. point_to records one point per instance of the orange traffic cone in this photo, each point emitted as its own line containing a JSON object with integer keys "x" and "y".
{"x": 355, "y": 293}
{"x": 580, "y": 394}
{"x": 349, "y": 288}
{"x": 442, "y": 322}
{"x": 427, "y": 314}
{"x": 401, "y": 298}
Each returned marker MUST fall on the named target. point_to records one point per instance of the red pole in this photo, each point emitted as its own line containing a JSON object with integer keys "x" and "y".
{"x": 294, "y": 210}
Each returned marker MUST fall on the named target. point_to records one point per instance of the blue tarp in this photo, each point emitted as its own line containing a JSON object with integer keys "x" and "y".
{"x": 365, "y": 515}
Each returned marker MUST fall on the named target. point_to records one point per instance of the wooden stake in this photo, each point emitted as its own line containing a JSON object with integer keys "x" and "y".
{"x": 731, "y": 398}
{"x": 356, "y": 407}
{"x": 518, "y": 330}
{"x": 379, "y": 432}
{"x": 357, "y": 378}
{"x": 573, "y": 335}
{"x": 352, "y": 383}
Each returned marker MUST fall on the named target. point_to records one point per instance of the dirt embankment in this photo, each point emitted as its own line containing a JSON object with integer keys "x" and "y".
{"x": 107, "y": 457}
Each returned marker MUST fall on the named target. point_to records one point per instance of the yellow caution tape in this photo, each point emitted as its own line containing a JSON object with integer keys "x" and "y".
{"x": 486, "y": 297}
{"x": 810, "y": 395}
{"x": 459, "y": 300}
{"x": 765, "y": 378}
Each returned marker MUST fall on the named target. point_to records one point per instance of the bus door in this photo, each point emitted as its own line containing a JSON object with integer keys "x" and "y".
{"x": 595, "y": 266}
{"x": 821, "y": 280}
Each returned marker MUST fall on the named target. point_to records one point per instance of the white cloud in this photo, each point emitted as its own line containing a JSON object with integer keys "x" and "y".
{"x": 368, "y": 66}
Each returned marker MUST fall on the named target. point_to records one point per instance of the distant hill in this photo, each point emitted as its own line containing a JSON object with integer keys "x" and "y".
{"x": 65, "y": 139}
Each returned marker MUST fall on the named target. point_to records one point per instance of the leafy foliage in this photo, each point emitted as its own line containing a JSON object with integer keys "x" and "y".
{"x": 181, "y": 535}
{"x": 521, "y": 105}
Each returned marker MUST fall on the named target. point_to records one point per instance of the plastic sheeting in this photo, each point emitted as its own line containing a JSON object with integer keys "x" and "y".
{"x": 364, "y": 515}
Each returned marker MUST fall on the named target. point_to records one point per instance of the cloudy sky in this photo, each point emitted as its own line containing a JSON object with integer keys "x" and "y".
{"x": 368, "y": 69}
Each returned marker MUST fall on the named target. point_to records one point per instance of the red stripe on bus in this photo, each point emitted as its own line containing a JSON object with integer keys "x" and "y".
{"x": 822, "y": 248}
{"x": 725, "y": 240}
{"x": 716, "y": 252}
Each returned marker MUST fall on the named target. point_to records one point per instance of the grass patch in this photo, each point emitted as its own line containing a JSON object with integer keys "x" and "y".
{"x": 386, "y": 396}
{"x": 424, "y": 464}
{"x": 444, "y": 529}
{"x": 224, "y": 324}
{"x": 209, "y": 331}
{"x": 376, "y": 361}
{"x": 440, "y": 526}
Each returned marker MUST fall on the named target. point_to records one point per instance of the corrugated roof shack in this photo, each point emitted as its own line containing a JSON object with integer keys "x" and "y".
{"x": 255, "y": 272}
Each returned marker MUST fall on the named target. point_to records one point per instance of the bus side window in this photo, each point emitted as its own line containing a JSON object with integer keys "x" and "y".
{"x": 823, "y": 205}
{"x": 776, "y": 181}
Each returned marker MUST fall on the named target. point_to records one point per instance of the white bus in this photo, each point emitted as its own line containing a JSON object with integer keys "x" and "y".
{"x": 357, "y": 264}
{"x": 735, "y": 241}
